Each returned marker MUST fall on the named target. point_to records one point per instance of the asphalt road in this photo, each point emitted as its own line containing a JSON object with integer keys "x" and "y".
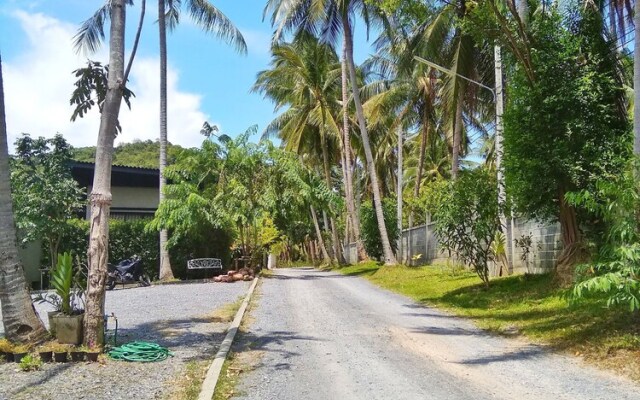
{"x": 322, "y": 335}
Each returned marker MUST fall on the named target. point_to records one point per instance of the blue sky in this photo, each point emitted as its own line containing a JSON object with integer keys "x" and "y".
{"x": 208, "y": 80}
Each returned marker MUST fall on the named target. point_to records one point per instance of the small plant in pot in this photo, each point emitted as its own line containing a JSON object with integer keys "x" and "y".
{"x": 92, "y": 352}
{"x": 66, "y": 322}
{"x": 60, "y": 352}
{"x": 45, "y": 352}
{"x": 19, "y": 352}
{"x": 6, "y": 350}
{"x": 77, "y": 353}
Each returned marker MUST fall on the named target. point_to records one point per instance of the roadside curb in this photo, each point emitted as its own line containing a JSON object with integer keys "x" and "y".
{"x": 213, "y": 373}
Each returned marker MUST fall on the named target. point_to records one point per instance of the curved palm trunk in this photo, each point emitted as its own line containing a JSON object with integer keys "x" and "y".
{"x": 325, "y": 254}
{"x": 100, "y": 198}
{"x": 389, "y": 257}
{"x": 457, "y": 136}
{"x": 337, "y": 253}
{"x": 18, "y": 315}
{"x": 636, "y": 81}
{"x": 165, "y": 264}
{"x": 351, "y": 204}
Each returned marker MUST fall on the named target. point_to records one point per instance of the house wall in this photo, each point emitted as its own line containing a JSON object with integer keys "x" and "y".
{"x": 132, "y": 197}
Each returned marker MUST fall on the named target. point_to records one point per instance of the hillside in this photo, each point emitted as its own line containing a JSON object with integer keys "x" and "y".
{"x": 136, "y": 154}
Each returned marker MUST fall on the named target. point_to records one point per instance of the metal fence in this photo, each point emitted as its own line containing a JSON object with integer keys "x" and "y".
{"x": 420, "y": 246}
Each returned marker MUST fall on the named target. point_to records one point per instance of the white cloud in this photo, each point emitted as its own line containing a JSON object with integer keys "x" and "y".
{"x": 38, "y": 83}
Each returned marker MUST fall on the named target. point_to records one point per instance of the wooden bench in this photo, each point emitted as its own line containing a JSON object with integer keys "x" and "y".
{"x": 204, "y": 263}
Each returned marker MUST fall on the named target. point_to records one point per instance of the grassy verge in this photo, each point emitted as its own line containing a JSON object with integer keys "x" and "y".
{"x": 528, "y": 305}
{"x": 187, "y": 387}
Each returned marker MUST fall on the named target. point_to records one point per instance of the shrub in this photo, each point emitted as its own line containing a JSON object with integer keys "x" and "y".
{"x": 466, "y": 217}
{"x": 369, "y": 227}
{"x": 30, "y": 362}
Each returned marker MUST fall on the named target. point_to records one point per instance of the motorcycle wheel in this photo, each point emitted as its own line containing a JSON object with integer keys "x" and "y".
{"x": 111, "y": 283}
{"x": 144, "y": 280}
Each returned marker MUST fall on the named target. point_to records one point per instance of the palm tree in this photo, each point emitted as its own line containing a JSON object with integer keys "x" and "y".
{"x": 331, "y": 17}
{"x": 18, "y": 315}
{"x": 211, "y": 20}
{"x": 305, "y": 76}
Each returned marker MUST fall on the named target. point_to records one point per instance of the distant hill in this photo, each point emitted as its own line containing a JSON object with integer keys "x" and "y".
{"x": 136, "y": 154}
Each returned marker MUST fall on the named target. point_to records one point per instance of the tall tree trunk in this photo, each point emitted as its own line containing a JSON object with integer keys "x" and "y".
{"x": 325, "y": 254}
{"x": 349, "y": 188}
{"x": 165, "y": 264}
{"x": 21, "y": 323}
{"x": 136, "y": 41}
{"x": 636, "y": 81}
{"x": 389, "y": 257}
{"x": 100, "y": 198}
{"x": 335, "y": 240}
{"x": 572, "y": 252}
{"x": 457, "y": 135}
{"x": 399, "y": 195}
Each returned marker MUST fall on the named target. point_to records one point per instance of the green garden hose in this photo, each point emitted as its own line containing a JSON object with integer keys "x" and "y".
{"x": 140, "y": 352}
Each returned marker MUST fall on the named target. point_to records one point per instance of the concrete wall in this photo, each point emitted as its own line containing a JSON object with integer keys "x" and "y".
{"x": 30, "y": 256}
{"x": 420, "y": 246}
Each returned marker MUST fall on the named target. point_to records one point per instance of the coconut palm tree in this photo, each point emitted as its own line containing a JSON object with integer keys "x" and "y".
{"x": 305, "y": 76}
{"x": 330, "y": 18}
{"x": 18, "y": 315}
{"x": 211, "y": 20}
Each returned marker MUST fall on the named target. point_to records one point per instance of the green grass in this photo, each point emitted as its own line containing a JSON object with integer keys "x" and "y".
{"x": 530, "y": 305}
{"x": 190, "y": 382}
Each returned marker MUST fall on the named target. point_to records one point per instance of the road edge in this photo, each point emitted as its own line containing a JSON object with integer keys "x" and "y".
{"x": 213, "y": 373}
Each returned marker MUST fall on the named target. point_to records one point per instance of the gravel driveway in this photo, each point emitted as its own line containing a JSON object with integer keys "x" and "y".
{"x": 326, "y": 336}
{"x": 175, "y": 316}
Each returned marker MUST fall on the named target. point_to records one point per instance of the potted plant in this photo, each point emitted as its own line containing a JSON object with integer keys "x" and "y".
{"x": 77, "y": 353}
{"x": 59, "y": 352}
{"x": 6, "y": 350}
{"x": 19, "y": 352}
{"x": 45, "y": 352}
{"x": 67, "y": 324}
{"x": 92, "y": 352}
{"x": 30, "y": 362}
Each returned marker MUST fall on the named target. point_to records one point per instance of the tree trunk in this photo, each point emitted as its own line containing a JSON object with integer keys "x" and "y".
{"x": 100, "y": 198}
{"x": 325, "y": 254}
{"x": 572, "y": 251}
{"x": 457, "y": 136}
{"x": 349, "y": 188}
{"x": 399, "y": 195}
{"x": 21, "y": 323}
{"x": 335, "y": 240}
{"x": 636, "y": 81}
{"x": 165, "y": 264}
{"x": 389, "y": 257}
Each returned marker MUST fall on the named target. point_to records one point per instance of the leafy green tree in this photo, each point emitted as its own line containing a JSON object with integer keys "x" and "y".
{"x": 466, "y": 217}
{"x": 139, "y": 153}
{"x": 45, "y": 195}
{"x": 567, "y": 129}
{"x": 370, "y": 232}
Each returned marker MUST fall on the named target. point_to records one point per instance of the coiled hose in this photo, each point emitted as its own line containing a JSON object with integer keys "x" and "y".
{"x": 140, "y": 352}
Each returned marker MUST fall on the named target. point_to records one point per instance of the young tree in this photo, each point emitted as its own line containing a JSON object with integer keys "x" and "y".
{"x": 19, "y": 318}
{"x": 45, "y": 195}
{"x": 100, "y": 197}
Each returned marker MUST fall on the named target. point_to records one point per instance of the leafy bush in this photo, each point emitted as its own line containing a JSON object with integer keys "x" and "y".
{"x": 369, "y": 227}
{"x": 616, "y": 269}
{"x": 466, "y": 217}
{"x": 30, "y": 362}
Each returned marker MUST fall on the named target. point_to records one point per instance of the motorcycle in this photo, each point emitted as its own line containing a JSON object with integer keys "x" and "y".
{"x": 127, "y": 271}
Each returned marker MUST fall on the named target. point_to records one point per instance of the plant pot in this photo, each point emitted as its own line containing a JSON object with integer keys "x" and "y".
{"x": 92, "y": 356}
{"x": 77, "y": 356}
{"x": 68, "y": 328}
{"x": 8, "y": 357}
{"x": 46, "y": 356}
{"x": 60, "y": 357}
{"x": 52, "y": 322}
{"x": 17, "y": 357}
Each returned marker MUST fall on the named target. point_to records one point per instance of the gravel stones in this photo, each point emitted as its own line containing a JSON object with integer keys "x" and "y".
{"x": 175, "y": 316}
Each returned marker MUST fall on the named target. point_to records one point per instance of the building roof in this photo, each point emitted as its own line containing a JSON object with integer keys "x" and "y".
{"x": 121, "y": 175}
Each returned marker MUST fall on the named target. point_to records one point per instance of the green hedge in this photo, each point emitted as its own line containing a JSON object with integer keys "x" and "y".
{"x": 129, "y": 237}
{"x": 369, "y": 227}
